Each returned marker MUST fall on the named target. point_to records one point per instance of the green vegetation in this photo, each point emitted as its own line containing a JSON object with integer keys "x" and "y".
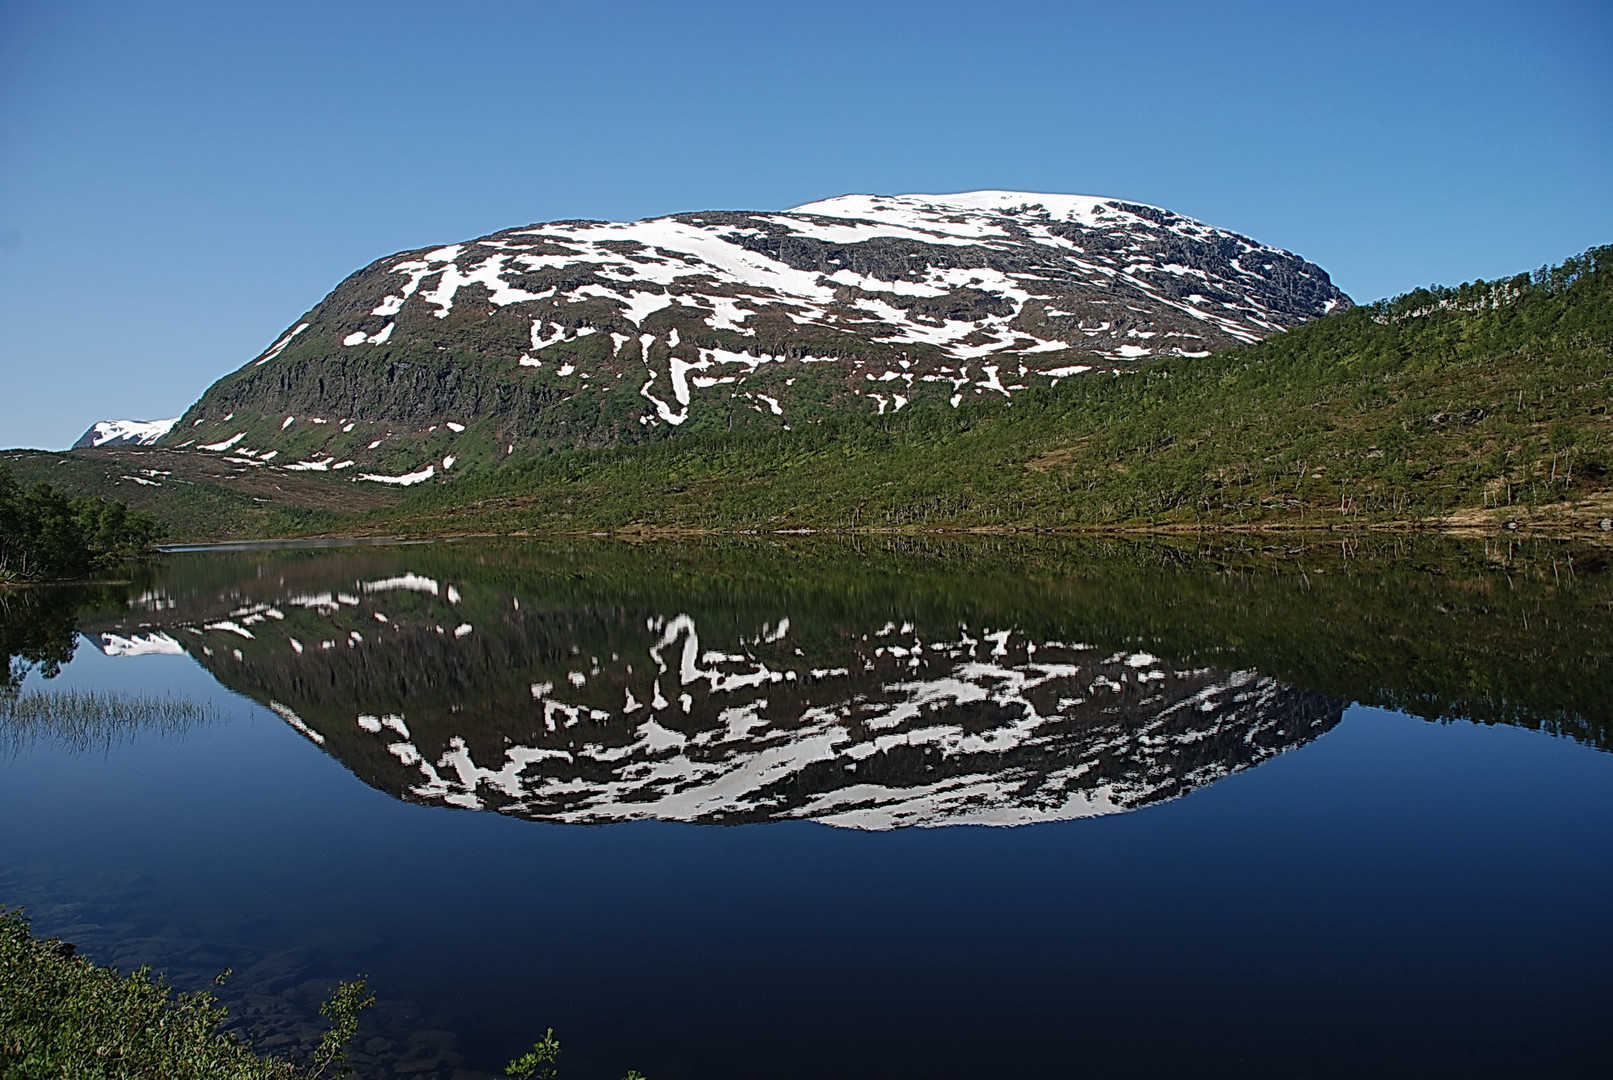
{"x": 85, "y": 720}
{"x": 45, "y": 535}
{"x": 342, "y": 1010}
{"x": 196, "y": 496}
{"x": 538, "y": 1063}
{"x": 1475, "y": 405}
{"x": 63, "y": 1018}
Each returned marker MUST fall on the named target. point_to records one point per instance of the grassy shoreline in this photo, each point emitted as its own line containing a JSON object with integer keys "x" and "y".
{"x": 1583, "y": 527}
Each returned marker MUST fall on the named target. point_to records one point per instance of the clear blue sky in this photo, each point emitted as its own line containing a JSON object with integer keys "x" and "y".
{"x": 179, "y": 181}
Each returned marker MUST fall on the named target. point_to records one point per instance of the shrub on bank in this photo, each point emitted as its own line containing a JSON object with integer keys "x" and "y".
{"x": 45, "y": 535}
{"x": 64, "y": 1018}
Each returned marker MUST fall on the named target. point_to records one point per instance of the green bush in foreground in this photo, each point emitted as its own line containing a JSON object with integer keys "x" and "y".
{"x": 64, "y": 1018}
{"x": 538, "y": 1063}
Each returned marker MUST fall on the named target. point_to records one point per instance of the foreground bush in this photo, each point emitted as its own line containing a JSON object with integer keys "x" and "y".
{"x": 64, "y": 1018}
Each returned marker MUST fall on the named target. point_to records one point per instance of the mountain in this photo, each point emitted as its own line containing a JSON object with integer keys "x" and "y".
{"x": 588, "y": 334}
{"x": 1482, "y": 405}
{"x": 125, "y": 433}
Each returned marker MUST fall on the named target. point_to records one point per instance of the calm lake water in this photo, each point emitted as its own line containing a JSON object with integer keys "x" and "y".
{"x": 806, "y": 810}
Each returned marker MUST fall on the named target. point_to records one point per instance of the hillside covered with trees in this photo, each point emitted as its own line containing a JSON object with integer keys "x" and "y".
{"x": 1476, "y": 405}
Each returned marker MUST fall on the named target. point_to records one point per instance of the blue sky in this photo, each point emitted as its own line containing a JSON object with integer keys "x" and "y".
{"x": 179, "y": 181}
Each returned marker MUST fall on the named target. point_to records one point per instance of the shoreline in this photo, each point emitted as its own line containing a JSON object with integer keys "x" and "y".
{"x": 1512, "y": 531}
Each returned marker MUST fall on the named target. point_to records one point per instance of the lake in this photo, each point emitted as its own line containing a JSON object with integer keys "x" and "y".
{"x": 807, "y": 808}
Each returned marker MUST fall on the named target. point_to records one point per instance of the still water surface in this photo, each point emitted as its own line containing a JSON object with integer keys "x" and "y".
{"x": 942, "y": 811}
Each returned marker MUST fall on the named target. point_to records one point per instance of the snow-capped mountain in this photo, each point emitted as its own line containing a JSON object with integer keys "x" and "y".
{"x": 463, "y": 695}
{"x": 593, "y": 333}
{"x": 125, "y": 433}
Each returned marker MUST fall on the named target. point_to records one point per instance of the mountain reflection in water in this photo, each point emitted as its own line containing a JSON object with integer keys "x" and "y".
{"x": 443, "y": 692}
{"x": 733, "y": 682}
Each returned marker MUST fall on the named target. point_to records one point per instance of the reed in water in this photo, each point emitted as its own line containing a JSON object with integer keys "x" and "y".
{"x": 82, "y": 720}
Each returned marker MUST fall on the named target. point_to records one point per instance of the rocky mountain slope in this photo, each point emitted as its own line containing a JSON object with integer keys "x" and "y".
{"x": 585, "y": 333}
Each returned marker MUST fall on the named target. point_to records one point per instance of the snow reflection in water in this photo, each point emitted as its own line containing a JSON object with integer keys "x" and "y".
{"x": 454, "y": 694}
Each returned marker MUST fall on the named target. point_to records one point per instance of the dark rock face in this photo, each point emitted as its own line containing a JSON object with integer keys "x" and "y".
{"x": 598, "y": 333}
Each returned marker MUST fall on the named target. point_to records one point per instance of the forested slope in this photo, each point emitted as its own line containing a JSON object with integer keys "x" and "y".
{"x": 1477, "y": 405}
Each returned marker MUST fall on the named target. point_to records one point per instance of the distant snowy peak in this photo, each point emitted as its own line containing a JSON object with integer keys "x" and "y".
{"x": 125, "y": 433}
